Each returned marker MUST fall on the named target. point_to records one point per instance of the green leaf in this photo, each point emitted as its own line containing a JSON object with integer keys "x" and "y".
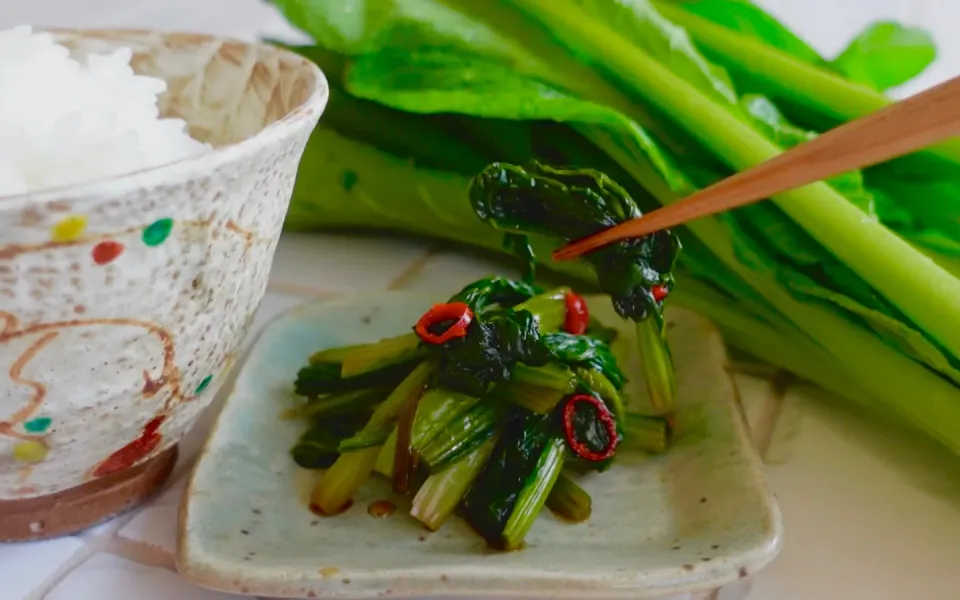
{"x": 436, "y": 81}
{"x": 886, "y": 54}
{"x": 357, "y": 27}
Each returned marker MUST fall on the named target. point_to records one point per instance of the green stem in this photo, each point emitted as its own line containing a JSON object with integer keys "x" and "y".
{"x": 337, "y": 487}
{"x": 534, "y": 494}
{"x": 529, "y": 396}
{"x": 386, "y": 352}
{"x": 437, "y": 409}
{"x": 646, "y": 432}
{"x": 440, "y": 494}
{"x": 568, "y": 500}
{"x": 787, "y": 76}
{"x": 463, "y": 434}
{"x": 656, "y": 364}
{"x": 551, "y": 376}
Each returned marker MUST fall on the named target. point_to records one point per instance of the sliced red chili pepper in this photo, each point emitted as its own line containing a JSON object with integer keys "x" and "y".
{"x": 659, "y": 292}
{"x": 606, "y": 419}
{"x": 578, "y": 317}
{"x": 457, "y": 314}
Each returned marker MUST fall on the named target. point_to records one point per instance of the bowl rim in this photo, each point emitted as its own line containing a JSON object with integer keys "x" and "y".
{"x": 304, "y": 115}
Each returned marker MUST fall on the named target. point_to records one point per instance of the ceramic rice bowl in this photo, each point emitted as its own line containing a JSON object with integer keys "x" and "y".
{"x": 124, "y": 301}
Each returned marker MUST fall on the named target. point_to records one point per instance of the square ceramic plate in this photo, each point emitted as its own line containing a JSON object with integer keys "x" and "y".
{"x": 696, "y": 518}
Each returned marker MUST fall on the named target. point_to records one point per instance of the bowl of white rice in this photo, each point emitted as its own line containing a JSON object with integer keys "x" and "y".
{"x": 144, "y": 180}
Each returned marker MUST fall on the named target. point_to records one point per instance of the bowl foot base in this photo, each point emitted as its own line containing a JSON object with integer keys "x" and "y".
{"x": 76, "y": 509}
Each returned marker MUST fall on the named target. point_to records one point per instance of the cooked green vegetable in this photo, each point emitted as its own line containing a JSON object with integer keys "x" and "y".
{"x": 542, "y": 399}
{"x": 319, "y": 446}
{"x": 336, "y": 489}
{"x": 463, "y": 434}
{"x": 403, "y": 349}
{"x": 569, "y": 204}
{"x": 568, "y": 500}
{"x": 857, "y": 276}
{"x": 325, "y": 378}
{"x": 333, "y": 405}
{"x": 440, "y": 494}
{"x": 505, "y": 500}
{"x": 646, "y": 432}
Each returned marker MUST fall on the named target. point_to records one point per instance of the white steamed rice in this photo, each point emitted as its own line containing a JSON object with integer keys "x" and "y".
{"x": 64, "y": 121}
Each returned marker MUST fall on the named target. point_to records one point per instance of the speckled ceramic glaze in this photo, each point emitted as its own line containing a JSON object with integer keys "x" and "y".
{"x": 123, "y": 301}
{"x": 697, "y": 518}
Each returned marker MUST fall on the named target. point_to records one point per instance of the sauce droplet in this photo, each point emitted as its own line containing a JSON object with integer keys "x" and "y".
{"x": 381, "y": 509}
{"x": 315, "y": 509}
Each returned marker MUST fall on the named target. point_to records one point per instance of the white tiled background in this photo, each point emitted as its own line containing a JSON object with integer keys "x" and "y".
{"x": 870, "y": 512}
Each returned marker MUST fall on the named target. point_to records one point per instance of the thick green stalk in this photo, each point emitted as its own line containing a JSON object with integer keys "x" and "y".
{"x": 463, "y": 434}
{"x": 787, "y": 76}
{"x": 534, "y": 494}
{"x": 646, "y": 432}
{"x": 657, "y": 364}
{"x": 568, "y": 500}
{"x": 440, "y": 494}
{"x": 917, "y": 285}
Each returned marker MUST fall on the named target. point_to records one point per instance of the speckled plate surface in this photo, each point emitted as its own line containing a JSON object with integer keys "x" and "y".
{"x": 697, "y": 518}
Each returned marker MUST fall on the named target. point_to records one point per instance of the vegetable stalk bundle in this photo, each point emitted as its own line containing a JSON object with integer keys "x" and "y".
{"x": 852, "y": 283}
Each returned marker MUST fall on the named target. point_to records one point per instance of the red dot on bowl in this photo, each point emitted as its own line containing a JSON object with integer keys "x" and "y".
{"x": 107, "y": 252}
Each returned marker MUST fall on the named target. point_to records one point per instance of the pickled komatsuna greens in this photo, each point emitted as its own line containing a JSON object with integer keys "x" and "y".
{"x": 565, "y": 204}
{"x": 490, "y": 407}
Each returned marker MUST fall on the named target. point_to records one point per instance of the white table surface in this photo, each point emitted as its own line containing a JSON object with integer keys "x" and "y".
{"x": 871, "y": 512}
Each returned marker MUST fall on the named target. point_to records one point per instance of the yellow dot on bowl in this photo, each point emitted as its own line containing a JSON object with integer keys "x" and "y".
{"x": 30, "y": 452}
{"x": 69, "y": 228}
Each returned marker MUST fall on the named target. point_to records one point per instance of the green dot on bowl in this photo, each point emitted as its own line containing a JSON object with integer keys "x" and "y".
{"x": 38, "y": 425}
{"x": 204, "y": 384}
{"x": 157, "y": 232}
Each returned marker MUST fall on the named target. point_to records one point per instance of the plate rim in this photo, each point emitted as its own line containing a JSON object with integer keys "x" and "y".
{"x": 201, "y": 568}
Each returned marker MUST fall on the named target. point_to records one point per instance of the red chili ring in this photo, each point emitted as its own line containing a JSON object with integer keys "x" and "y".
{"x": 606, "y": 418}
{"x": 578, "y": 316}
{"x": 453, "y": 311}
{"x": 659, "y": 292}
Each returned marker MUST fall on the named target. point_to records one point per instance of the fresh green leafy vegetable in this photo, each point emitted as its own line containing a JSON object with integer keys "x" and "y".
{"x": 856, "y": 276}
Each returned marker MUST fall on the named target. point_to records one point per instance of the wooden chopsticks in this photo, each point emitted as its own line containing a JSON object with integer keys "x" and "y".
{"x": 906, "y": 126}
